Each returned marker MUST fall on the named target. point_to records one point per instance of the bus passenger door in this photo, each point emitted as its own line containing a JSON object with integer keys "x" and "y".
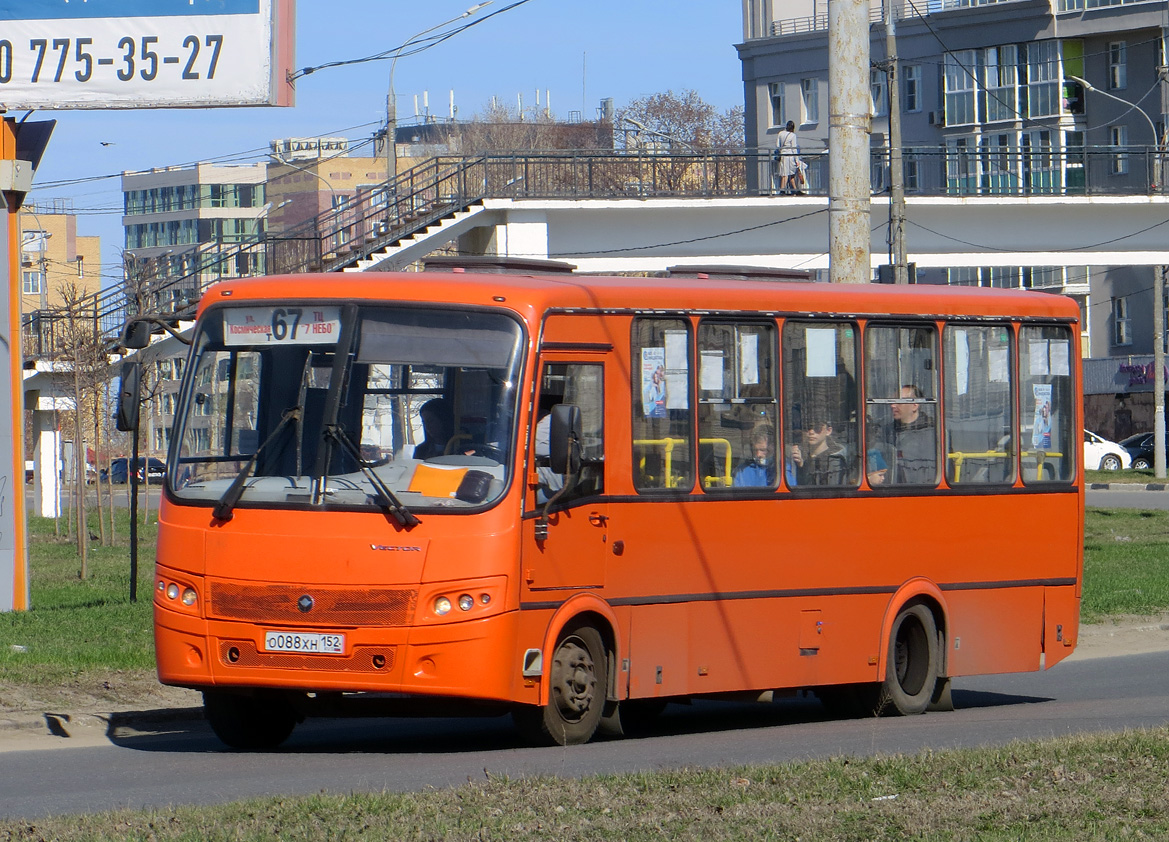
{"x": 566, "y": 520}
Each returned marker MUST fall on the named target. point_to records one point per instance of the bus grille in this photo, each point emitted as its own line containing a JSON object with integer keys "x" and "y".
{"x": 362, "y": 659}
{"x": 330, "y": 606}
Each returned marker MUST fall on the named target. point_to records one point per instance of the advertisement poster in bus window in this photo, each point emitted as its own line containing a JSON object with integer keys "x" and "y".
{"x": 654, "y": 390}
{"x": 1041, "y": 431}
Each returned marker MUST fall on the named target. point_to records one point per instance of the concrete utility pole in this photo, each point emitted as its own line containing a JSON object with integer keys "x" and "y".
{"x": 896, "y": 171}
{"x": 1159, "y": 372}
{"x": 849, "y": 127}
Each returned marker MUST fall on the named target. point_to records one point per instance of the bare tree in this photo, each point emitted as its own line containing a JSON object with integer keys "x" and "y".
{"x": 685, "y": 118}
{"x": 81, "y": 352}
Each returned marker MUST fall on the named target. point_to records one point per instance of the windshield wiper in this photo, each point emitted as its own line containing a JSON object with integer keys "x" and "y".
{"x": 384, "y": 497}
{"x": 224, "y": 508}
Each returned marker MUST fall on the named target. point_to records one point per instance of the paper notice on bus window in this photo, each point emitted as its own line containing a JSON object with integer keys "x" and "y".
{"x": 997, "y": 365}
{"x": 749, "y": 359}
{"x": 821, "y": 348}
{"x": 710, "y": 371}
{"x": 1060, "y": 359}
{"x": 677, "y": 369}
{"x": 1037, "y": 359}
{"x": 962, "y": 360}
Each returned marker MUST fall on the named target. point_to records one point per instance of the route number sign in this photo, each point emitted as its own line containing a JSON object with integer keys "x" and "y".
{"x": 97, "y": 54}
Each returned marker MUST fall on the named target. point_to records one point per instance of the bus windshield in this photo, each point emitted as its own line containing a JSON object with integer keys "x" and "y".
{"x": 348, "y": 405}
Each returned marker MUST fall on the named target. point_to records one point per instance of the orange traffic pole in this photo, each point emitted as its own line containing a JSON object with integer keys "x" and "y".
{"x": 13, "y": 514}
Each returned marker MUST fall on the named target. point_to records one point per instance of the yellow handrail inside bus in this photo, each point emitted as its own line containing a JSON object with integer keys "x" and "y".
{"x": 668, "y": 444}
{"x": 961, "y": 456}
{"x": 724, "y": 479}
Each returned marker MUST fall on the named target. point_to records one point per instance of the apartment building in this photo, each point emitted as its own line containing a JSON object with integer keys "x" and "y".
{"x": 1014, "y": 97}
{"x": 54, "y": 259}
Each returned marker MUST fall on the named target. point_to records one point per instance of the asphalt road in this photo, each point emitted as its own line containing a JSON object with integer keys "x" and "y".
{"x": 1126, "y": 497}
{"x": 187, "y": 765}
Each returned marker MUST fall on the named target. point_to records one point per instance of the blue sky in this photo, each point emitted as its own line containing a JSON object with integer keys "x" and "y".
{"x": 578, "y": 53}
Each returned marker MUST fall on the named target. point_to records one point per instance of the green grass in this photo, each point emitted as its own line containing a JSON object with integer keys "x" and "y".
{"x": 80, "y": 627}
{"x": 1125, "y": 569}
{"x": 1077, "y": 788}
{"x": 1130, "y": 476}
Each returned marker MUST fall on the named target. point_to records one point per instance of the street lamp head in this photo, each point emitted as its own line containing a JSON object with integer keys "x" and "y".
{"x": 1087, "y": 85}
{"x": 476, "y": 8}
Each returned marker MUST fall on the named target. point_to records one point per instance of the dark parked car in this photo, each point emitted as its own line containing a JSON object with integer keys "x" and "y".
{"x": 1140, "y": 447}
{"x": 118, "y": 475}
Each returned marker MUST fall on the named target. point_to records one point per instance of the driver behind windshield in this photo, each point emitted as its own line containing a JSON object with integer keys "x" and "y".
{"x": 438, "y": 425}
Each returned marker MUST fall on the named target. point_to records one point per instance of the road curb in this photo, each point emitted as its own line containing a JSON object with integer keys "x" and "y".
{"x": 61, "y": 724}
{"x": 1127, "y": 486}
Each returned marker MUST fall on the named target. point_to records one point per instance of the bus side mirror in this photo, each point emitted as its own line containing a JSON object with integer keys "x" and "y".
{"x": 135, "y": 334}
{"x": 564, "y": 439}
{"x": 129, "y": 396}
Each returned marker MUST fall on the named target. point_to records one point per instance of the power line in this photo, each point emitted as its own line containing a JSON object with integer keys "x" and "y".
{"x": 401, "y": 51}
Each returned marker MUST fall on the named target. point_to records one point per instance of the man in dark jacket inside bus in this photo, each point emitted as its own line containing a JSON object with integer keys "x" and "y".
{"x": 914, "y": 440}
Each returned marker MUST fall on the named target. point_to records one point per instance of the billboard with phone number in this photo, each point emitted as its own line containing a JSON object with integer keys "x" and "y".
{"x": 95, "y": 54}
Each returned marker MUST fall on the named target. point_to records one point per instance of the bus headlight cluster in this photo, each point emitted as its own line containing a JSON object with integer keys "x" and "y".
{"x": 465, "y": 602}
{"x": 174, "y": 591}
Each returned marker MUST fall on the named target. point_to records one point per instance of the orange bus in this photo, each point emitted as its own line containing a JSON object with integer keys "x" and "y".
{"x": 578, "y": 498}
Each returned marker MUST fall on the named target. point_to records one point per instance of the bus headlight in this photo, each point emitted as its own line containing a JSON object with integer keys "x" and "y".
{"x": 466, "y": 602}
{"x": 189, "y": 596}
{"x": 442, "y": 606}
{"x": 172, "y": 591}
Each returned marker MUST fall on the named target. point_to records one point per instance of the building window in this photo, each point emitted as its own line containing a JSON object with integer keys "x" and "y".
{"x": 32, "y": 282}
{"x": 1043, "y": 79}
{"x": 1001, "y": 75}
{"x": 1121, "y": 325}
{"x": 912, "y": 74}
{"x": 775, "y": 92}
{"x": 811, "y": 101}
{"x": 879, "y": 87}
{"x": 959, "y": 80}
{"x": 1117, "y": 65}
{"x": 1119, "y": 137}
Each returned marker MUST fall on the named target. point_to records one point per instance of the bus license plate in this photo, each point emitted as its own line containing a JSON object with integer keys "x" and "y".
{"x": 310, "y": 643}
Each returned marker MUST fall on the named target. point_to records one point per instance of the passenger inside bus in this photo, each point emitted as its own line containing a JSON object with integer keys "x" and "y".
{"x": 822, "y": 460}
{"x": 915, "y": 440}
{"x": 438, "y": 426}
{"x": 760, "y": 470}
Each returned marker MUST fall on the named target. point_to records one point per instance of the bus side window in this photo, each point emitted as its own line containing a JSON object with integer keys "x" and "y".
{"x": 980, "y": 441}
{"x": 662, "y": 419}
{"x": 821, "y": 441}
{"x": 901, "y": 401}
{"x": 581, "y": 385}
{"x": 737, "y": 405}
{"x": 1049, "y": 443}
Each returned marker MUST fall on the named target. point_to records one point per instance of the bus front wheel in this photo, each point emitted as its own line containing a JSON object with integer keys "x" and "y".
{"x": 576, "y": 692}
{"x": 911, "y": 669}
{"x": 247, "y": 722}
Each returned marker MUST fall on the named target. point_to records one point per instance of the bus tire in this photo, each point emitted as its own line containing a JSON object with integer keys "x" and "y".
{"x": 911, "y": 671}
{"x": 576, "y": 692}
{"x": 247, "y": 722}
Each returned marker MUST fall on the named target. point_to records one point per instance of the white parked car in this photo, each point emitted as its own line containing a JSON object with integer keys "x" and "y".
{"x": 1102, "y": 454}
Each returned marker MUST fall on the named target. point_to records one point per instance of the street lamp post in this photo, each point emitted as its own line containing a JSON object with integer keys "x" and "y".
{"x": 1158, "y": 300}
{"x": 392, "y": 98}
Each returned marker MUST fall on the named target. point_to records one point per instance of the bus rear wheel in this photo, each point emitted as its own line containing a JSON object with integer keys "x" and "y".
{"x": 248, "y": 722}
{"x": 576, "y": 692}
{"x": 911, "y": 670}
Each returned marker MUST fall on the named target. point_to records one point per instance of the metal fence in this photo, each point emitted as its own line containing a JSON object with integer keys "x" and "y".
{"x": 377, "y": 219}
